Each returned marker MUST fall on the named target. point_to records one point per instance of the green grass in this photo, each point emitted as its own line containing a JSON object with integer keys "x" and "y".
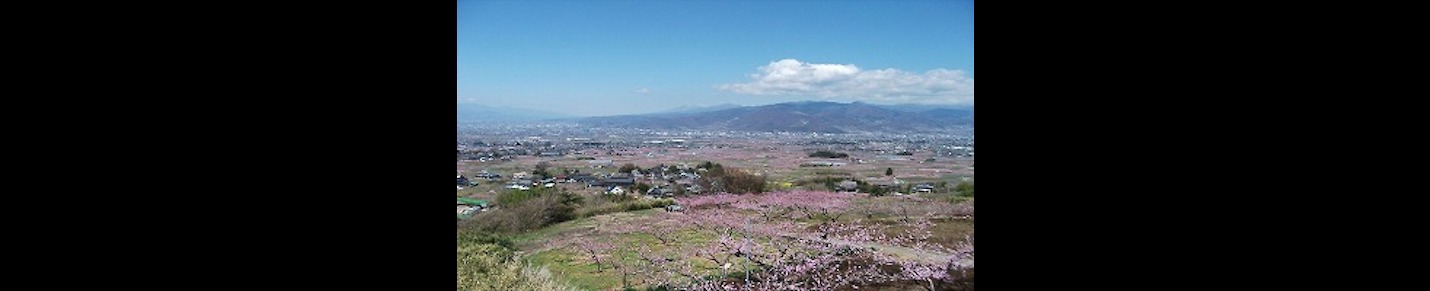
{"x": 576, "y": 270}
{"x": 529, "y": 239}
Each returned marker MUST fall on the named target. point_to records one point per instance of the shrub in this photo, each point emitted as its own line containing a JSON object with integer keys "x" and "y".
{"x": 732, "y": 180}
{"x": 532, "y": 210}
{"x": 964, "y": 189}
{"x": 828, "y": 154}
{"x": 514, "y": 197}
{"x": 627, "y": 168}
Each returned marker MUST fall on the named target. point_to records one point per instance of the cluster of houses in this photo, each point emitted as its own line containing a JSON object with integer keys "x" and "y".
{"x": 663, "y": 180}
{"x": 502, "y": 155}
{"x": 617, "y": 184}
{"x": 468, "y": 207}
{"x": 472, "y": 182}
{"x": 463, "y": 181}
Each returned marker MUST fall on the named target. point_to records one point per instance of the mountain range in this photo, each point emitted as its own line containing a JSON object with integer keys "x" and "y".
{"x": 809, "y": 116}
{"x": 698, "y": 109}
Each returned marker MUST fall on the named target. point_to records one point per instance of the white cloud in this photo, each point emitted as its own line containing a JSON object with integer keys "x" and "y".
{"x": 790, "y": 77}
{"x": 642, "y": 90}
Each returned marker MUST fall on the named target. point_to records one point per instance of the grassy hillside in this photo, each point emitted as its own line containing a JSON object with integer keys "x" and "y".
{"x": 485, "y": 262}
{"x": 695, "y": 249}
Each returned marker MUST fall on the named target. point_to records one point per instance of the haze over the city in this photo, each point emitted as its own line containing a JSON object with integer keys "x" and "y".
{"x": 597, "y": 58}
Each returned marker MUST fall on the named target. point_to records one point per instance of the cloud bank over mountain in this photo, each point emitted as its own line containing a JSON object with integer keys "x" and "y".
{"x": 791, "y": 77}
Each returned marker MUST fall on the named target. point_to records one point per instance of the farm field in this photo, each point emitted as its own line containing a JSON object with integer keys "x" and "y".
{"x": 795, "y": 235}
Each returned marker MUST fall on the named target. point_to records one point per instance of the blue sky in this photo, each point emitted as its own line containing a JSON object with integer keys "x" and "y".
{"x": 626, "y": 56}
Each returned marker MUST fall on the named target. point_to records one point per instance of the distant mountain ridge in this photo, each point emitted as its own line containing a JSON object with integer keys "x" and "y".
{"x": 924, "y": 107}
{"x": 698, "y": 109}
{"x": 808, "y": 116}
